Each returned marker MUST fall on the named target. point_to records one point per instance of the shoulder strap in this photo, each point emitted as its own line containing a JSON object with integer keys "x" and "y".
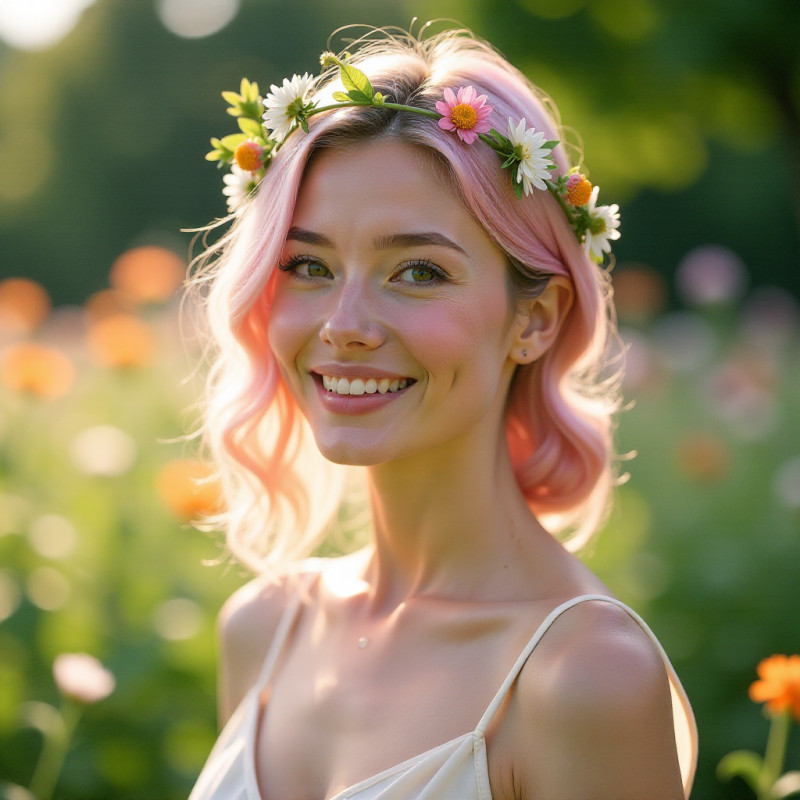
{"x": 537, "y": 637}
{"x": 299, "y": 595}
{"x": 685, "y": 726}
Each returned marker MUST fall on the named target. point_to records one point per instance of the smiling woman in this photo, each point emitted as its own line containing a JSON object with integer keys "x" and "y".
{"x": 395, "y": 298}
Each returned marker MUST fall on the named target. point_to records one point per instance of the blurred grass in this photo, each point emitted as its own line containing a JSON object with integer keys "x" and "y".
{"x": 98, "y": 555}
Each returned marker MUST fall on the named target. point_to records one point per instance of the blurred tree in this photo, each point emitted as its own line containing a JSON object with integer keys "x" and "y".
{"x": 690, "y": 114}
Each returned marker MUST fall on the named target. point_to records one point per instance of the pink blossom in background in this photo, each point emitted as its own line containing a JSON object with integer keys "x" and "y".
{"x": 82, "y": 677}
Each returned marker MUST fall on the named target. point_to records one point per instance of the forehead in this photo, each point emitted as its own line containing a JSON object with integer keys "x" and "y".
{"x": 386, "y": 186}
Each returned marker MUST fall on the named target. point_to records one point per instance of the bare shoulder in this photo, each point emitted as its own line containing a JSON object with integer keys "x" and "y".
{"x": 594, "y": 711}
{"x": 246, "y": 627}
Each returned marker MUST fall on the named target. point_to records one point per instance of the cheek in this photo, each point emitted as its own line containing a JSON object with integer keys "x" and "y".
{"x": 461, "y": 336}
{"x": 288, "y": 328}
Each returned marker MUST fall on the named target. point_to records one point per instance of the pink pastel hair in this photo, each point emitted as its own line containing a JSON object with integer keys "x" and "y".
{"x": 281, "y": 493}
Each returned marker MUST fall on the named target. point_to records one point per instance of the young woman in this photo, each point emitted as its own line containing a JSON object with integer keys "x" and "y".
{"x": 413, "y": 290}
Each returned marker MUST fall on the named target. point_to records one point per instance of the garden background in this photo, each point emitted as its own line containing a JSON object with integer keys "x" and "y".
{"x": 690, "y": 112}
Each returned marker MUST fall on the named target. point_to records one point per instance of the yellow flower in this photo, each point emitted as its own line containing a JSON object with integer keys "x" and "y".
{"x": 778, "y": 685}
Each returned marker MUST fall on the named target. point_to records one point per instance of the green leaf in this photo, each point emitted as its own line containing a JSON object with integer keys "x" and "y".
{"x": 214, "y": 155}
{"x": 250, "y": 127}
{"x": 551, "y": 143}
{"x": 341, "y": 97}
{"x": 231, "y": 97}
{"x": 744, "y": 763}
{"x": 232, "y": 141}
{"x": 357, "y": 83}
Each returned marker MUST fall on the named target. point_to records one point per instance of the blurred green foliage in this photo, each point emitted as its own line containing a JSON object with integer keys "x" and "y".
{"x": 690, "y": 114}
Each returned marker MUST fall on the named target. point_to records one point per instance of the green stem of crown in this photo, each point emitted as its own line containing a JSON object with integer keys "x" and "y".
{"x": 382, "y": 104}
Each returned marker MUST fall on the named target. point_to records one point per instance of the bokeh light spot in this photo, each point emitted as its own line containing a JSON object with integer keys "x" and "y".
{"x": 104, "y": 451}
{"x": 711, "y": 275}
{"x": 176, "y": 619}
{"x": 194, "y": 19}
{"x": 52, "y": 536}
{"x": 787, "y": 483}
{"x": 21, "y": 178}
{"x": 48, "y": 588}
{"x": 37, "y": 24}
{"x": 147, "y": 273}
{"x": 34, "y": 369}
{"x": 10, "y": 594}
{"x": 24, "y": 305}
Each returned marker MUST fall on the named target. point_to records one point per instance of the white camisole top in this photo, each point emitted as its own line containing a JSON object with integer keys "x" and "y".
{"x": 455, "y": 770}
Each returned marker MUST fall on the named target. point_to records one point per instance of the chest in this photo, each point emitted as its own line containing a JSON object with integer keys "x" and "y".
{"x": 336, "y": 713}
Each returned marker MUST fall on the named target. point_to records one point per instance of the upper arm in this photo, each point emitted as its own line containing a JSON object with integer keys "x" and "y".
{"x": 595, "y": 713}
{"x": 246, "y": 625}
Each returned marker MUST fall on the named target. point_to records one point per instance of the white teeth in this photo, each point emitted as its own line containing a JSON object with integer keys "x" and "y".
{"x": 359, "y": 386}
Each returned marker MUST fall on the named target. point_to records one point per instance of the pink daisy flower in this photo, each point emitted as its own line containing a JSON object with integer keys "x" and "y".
{"x": 465, "y": 113}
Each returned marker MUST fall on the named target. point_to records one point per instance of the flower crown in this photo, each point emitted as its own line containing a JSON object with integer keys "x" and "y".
{"x": 265, "y": 123}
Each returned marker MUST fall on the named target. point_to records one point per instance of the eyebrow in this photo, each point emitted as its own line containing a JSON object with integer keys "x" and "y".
{"x": 384, "y": 242}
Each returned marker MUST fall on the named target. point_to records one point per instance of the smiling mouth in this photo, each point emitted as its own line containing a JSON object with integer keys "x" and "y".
{"x": 358, "y": 386}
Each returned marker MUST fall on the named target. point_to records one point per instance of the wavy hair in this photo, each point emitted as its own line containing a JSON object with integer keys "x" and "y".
{"x": 281, "y": 493}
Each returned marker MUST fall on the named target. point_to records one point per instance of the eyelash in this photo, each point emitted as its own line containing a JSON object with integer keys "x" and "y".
{"x": 291, "y": 264}
{"x": 439, "y": 275}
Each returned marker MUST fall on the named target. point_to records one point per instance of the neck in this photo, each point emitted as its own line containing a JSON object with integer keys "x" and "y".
{"x": 453, "y": 524}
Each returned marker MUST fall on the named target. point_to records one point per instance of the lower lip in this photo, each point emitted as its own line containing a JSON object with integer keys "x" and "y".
{"x": 355, "y": 403}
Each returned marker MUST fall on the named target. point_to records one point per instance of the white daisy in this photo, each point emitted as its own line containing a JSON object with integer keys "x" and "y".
{"x": 238, "y": 185}
{"x": 603, "y": 225}
{"x": 534, "y": 159}
{"x": 283, "y": 105}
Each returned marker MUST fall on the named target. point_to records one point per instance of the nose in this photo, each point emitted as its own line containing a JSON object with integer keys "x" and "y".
{"x": 351, "y": 322}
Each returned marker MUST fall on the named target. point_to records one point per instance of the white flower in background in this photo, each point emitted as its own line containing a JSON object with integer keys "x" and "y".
{"x": 534, "y": 160}
{"x": 238, "y": 185}
{"x": 104, "y": 451}
{"x": 82, "y": 677}
{"x": 284, "y": 104}
{"x": 603, "y": 226}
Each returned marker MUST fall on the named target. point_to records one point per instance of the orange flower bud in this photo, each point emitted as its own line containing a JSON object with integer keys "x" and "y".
{"x": 249, "y": 156}
{"x": 579, "y": 190}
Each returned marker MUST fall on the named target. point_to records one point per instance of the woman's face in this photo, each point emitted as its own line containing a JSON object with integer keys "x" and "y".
{"x": 391, "y": 320}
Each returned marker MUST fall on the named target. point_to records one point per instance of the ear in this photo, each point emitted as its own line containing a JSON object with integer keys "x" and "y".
{"x": 539, "y": 320}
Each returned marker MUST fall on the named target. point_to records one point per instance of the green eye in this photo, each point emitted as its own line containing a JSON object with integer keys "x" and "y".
{"x": 421, "y": 274}
{"x": 316, "y": 270}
